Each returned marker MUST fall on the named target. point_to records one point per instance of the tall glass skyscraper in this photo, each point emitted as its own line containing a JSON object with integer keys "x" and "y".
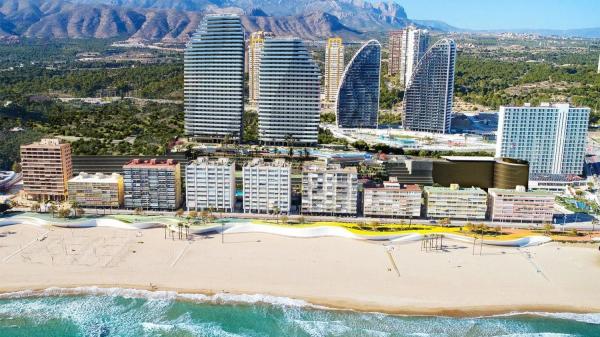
{"x": 288, "y": 105}
{"x": 428, "y": 97}
{"x": 214, "y": 79}
{"x": 357, "y": 101}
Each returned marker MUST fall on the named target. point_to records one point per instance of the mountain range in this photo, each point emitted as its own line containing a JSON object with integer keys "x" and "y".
{"x": 174, "y": 21}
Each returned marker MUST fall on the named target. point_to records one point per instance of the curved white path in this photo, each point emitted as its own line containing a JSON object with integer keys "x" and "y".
{"x": 247, "y": 227}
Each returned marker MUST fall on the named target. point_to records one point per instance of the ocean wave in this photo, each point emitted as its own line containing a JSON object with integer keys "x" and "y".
{"x": 591, "y": 318}
{"x": 219, "y": 298}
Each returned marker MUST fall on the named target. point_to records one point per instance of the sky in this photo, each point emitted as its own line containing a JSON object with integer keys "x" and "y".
{"x": 507, "y": 14}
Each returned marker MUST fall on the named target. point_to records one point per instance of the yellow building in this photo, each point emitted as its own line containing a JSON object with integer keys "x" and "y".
{"x": 334, "y": 68}
{"x": 255, "y": 48}
{"x": 97, "y": 190}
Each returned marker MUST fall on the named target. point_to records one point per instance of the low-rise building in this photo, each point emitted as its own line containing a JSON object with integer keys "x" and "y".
{"x": 46, "y": 167}
{"x": 392, "y": 200}
{"x": 267, "y": 186}
{"x": 210, "y": 184}
{"x": 520, "y": 205}
{"x": 152, "y": 184}
{"x": 329, "y": 189}
{"x": 455, "y": 202}
{"x": 97, "y": 190}
{"x": 555, "y": 183}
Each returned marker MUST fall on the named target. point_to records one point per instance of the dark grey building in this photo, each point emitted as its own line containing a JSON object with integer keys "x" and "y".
{"x": 357, "y": 101}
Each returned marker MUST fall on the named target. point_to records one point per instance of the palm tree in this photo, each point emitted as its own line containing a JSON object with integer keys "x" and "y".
{"x": 276, "y": 212}
{"x": 180, "y": 227}
{"x": 179, "y": 212}
{"x": 52, "y": 208}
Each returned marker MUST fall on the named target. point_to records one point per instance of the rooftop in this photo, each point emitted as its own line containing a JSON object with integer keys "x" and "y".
{"x": 96, "y": 178}
{"x": 554, "y": 177}
{"x": 439, "y": 189}
{"x": 151, "y": 163}
{"x": 517, "y": 192}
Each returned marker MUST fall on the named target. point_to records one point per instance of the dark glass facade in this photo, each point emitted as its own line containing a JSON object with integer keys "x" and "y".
{"x": 357, "y": 102}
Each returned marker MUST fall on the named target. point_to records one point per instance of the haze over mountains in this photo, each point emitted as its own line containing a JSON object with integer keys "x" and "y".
{"x": 175, "y": 20}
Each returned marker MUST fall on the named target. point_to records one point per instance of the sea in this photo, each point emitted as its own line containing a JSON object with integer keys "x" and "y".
{"x": 102, "y": 312}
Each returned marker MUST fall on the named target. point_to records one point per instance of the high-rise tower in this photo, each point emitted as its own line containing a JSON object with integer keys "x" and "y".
{"x": 288, "y": 105}
{"x": 428, "y": 97}
{"x": 255, "y": 48}
{"x": 334, "y": 67}
{"x": 407, "y": 47}
{"x": 214, "y": 79}
{"x": 357, "y": 102}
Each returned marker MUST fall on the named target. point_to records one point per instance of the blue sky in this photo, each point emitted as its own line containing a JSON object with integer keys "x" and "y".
{"x": 507, "y": 14}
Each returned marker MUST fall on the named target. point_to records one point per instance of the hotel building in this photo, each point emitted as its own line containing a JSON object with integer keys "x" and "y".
{"x": 551, "y": 137}
{"x": 97, "y": 190}
{"x": 455, "y": 202}
{"x": 267, "y": 186}
{"x": 152, "y": 184}
{"x": 255, "y": 49}
{"x": 46, "y": 167}
{"x": 392, "y": 200}
{"x": 210, "y": 184}
{"x": 334, "y": 68}
{"x": 289, "y": 103}
{"x": 329, "y": 189}
{"x": 429, "y": 93}
{"x": 407, "y": 47}
{"x": 520, "y": 205}
{"x": 357, "y": 103}
{"x": 214, "y": 79}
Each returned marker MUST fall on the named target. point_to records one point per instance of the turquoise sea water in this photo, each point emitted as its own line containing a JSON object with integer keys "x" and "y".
{"x": 136, "y": 313}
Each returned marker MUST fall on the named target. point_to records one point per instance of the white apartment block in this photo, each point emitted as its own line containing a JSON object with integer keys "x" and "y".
{"x": 210, "y": 184}
{"x": 392, "y": 200}
{"x": 267, "y": 186}
{"x": 455, "y": 202}
{"x": 550, "y": 137}
{"x": 329, "y": 189}
{"x": 334, "y": 68}
{"x": 520, "y": 205}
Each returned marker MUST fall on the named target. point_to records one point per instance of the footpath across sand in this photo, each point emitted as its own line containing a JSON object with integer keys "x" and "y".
{"x": 334, "y": 272}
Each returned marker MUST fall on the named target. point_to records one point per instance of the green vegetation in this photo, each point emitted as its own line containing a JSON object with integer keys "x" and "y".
{"x": 493, "y": 82}
{"x": 250, "y": 122}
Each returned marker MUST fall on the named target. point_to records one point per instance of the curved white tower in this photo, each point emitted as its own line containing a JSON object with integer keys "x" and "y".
{"x": 428, "y": 97}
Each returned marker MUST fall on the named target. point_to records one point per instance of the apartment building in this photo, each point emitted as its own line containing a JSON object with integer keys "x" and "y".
{"x": 97, "y": 190}
{"x": 152, "y": 184}
{"x": 210, "y": 184}
{"x": 455, "y": 202}
{"x": 520, "y": 205}
{"x": 551, "y": 137}
{"x": 392, "y": 200}
{"x": 46, "y": 167}
{"x": 214, "y": 79}
{"x": 334, "y": 68}
{"x": 267, "y": 186}
{"x": 329, "y": 189}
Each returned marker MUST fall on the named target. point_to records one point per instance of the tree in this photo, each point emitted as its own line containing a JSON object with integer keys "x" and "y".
{"x": 193, "y": 214}
{"x": 284, "y": 219}
{"x": 301, "y": 219}
{"x": 79, "y": 212}
{"x": 276, "y": 212}
{"x": 52, "y": 208}
{"x": 5, "y": 207}
{"x": 179, "y": 213}
{"x": 139, "y": 211}
{"x": 35, "y": 207}
{"x": 548, "y": 227}
{"x": 204, "y": 215}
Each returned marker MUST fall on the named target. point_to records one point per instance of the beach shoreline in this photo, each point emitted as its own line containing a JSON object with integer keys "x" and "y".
{"x": 187, "y": 295}
{"x": 326, "y": 273}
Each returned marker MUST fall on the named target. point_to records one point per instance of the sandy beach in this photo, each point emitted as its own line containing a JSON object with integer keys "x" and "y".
{"x": 334, "y": 272}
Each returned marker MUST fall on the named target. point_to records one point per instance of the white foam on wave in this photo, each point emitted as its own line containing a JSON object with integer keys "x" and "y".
{"x": 219, "y": 298}
{"x": 591, "y": 318}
